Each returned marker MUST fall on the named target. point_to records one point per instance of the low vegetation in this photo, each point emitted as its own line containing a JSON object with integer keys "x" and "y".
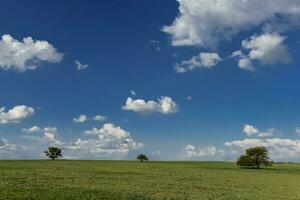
{"x": 129, "y": 180}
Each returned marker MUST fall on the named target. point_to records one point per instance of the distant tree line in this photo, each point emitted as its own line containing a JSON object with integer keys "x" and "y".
{"x": 55, "y": 152}
{"x": 254, "y": 157}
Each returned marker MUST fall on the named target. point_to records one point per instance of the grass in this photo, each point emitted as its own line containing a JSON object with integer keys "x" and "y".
{"x": 118, "y": 180}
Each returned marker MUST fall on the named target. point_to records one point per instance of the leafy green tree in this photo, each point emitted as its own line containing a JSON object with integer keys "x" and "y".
{"x": 53, "y": 153}
{"x": 244, "y": 161}
{"x": 255, "y": 157}
{"x": 142, "y": 157}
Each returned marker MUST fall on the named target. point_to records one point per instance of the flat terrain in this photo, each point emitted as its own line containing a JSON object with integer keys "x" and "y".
{"x": 119, "y": 180}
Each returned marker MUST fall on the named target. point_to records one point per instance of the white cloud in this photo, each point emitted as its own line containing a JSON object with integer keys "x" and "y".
{"x": 5, "y": 146}
{"x": 164, "y": 105}
{"x": 253, "y": 131}
{"x": 16, "y": 114}
{"x": 268, "y": 133}
{"x": 85, "y": 118}
{"x": 26, "y": 54}
{"x": 243, "y": 61}
{"x": 250, "y": 130}
{"x": 267, "y": 48}
{"x": 190, "y": 151}
{"x": 80, "y": 66}
{"x": 207, "y": 22}
{"x": 107, "y": 141}
{"x": 99, "y": 118}
{"x": 80, "y": 119}
{"x": 279, "y": 148}
{"x": 33, "y": 129}
{"x": 10, "y": 150}
{"x": 203, "y": 60}
{"x": 49, "y": 134}
{"x": 108, "y": 130}
{"x": 246, "y": 143}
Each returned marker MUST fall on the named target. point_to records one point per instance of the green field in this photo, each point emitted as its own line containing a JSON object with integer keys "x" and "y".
{"x": 62, "y": 179}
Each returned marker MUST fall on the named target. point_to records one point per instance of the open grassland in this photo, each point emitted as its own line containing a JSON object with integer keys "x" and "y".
{"x": 63, "y": 179}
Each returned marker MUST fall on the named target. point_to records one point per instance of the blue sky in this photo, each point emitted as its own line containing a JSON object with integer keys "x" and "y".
{"x": 162, "y": 81}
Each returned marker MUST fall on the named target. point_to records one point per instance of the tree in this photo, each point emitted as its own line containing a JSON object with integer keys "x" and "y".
{"x": 142, "y": 157}
{"x": 53, "y": 153}
{"x": 244, "y": 161}
{"x": 254, "y": 157}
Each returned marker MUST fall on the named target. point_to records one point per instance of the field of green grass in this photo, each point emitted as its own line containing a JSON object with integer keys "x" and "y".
{"x": 63, "y": 179}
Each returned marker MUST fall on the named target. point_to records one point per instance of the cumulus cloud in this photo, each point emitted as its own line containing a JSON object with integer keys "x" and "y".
{"x": 203, "y": 60}
{"x": 279, "y": 148}
{"x": 244, "y": 62}
{"x": 207, "y": 22}
{"x": 26, "y": 54}
{"x": 80, "y": 119}
{"x": 16, "y": 114}
{"x": 267, "y": 48}
{"x": 108, "y": 130}
{"x": 106, "y": 141}
{"x": 253, "y": 131}
{"x": 250, "y": 130}
{"x": 164, "y": 105}
{"x": 246, "y": 143}
{"x": 210, "y": 152}
{"x": 47, "y": 134}
{"x": 80, "y": 66}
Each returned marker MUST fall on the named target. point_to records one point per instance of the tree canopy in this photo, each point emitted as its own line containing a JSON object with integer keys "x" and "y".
{"x": 254, "y": 157}
{"x": 142, "y": 157}
{"x": 53, "y": 153}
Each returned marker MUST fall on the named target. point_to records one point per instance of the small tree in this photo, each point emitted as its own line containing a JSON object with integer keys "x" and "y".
{"x": 255, "y": 157}
{"x": 53, "y": 153}
{"x": 142, "y": 157}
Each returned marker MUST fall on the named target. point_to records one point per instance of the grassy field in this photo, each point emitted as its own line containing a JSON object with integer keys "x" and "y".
{"x": 119, "y": 180}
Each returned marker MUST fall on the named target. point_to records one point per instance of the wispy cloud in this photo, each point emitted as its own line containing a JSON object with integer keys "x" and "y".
{"x": 80, "y": 66}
